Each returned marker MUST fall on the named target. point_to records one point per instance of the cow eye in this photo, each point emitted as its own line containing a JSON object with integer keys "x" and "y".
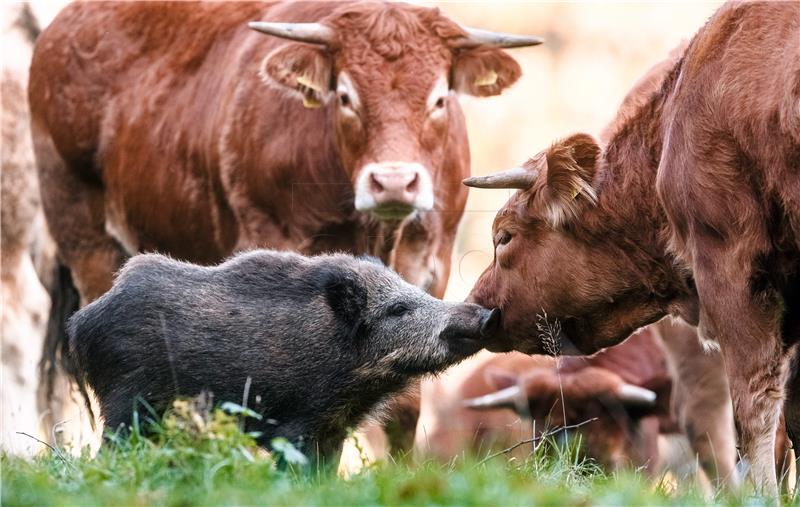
{"x": 398, "y": 310}
{"x": 440, "y": 103}
{"x": 504, "y": 238}
{"x": 344, "y": 100}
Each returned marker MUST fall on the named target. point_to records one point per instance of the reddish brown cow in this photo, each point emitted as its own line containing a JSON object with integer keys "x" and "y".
{"x": 691, "y": 209}
{"x": 626, "y": 388}
{"x": 685, "y": 382}
{"x": 171, "y": 126}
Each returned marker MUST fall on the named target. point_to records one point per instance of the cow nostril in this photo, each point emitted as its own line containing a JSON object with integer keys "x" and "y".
{"x": 414, "y": 184}
{"x": 375, "y": 185}
{"x": 491, "y": 325}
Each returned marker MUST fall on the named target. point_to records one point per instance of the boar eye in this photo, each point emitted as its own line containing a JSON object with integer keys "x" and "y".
{"x": 398, "y": 310}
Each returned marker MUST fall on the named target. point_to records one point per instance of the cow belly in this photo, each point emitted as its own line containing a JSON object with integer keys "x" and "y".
{"x": 184, "y": 220}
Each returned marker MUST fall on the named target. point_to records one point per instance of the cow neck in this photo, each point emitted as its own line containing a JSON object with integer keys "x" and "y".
{"x": 381, "y": 237}
{"x": 628, "y": 216}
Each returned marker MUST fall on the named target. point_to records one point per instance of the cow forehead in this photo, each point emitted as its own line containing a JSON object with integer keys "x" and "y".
{"x": 393, "y": 47}
{"x": 410, "y": 83}
{"x": 392, "y": 30}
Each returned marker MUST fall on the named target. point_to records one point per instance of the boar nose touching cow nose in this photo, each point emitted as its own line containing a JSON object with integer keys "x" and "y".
{"x": 491, "y": 323}
{"x": 394, "y": 189}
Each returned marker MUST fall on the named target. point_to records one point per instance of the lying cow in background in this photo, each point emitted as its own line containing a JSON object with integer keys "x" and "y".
{"x": 173, "y": 127}
{"x": 626, "y": 388}
{"x": 311, "y": 344}
{"x": 632, "y": 389}
{"x": 691, "y": 209}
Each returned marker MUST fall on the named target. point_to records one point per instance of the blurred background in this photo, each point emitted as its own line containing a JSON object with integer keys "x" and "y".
{"x": 593, "y": 54}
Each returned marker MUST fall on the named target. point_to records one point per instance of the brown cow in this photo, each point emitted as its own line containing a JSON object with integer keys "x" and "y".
{"x": 171, "y": 126}
{"x": 626, "y": 388}
{"x": 691, "y": 209}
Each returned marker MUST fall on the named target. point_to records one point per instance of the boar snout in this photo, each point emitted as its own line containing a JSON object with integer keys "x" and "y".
{"x": 468, "y": 326}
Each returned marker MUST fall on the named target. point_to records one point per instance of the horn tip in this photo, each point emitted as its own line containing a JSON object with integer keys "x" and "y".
{"x": 471, "y": 181}
{"x": 637, "y": 394}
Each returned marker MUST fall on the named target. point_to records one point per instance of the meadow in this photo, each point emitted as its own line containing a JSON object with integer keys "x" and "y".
{"x": 197, "y": 458}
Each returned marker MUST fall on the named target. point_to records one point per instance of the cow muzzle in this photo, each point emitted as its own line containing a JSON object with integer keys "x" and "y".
{"x": 393, "y": 190}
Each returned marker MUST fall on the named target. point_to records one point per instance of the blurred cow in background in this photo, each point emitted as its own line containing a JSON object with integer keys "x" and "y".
{"x": 495, "y": 401}
{"x": 623, "y": 391}
{"x": 173, "y": 127}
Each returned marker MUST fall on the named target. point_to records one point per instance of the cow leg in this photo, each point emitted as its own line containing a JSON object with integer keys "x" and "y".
{"x": 74, "y": 205}
{"x": 701, "y": 400}
{"x": 753, "y": 353}
{"x": 791, "y": 409}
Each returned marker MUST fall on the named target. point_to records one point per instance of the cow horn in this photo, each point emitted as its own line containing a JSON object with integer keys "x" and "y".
{"x": 519, "y": 177}
{"x": 476, "y": 37}
{"x": 508, "y": 397}
{"x": 315, "y": 33}
{"x": 635, "y": 395}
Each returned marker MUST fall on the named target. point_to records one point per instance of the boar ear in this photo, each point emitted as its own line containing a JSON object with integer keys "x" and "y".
{"x": 483, "y": 71}
{"x": 571, "y": 167}
{"x": 345, "y": 295}
{"x": 302, "y": 70}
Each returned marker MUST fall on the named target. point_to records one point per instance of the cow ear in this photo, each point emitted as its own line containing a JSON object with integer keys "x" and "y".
{"x": 571, "y": 165}
{"x": 500, "y": 379}
{"x": 483, "y": 71}
{"x": 302, "y": 70}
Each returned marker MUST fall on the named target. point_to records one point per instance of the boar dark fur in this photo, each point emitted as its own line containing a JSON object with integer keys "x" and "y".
{"x": 323, "y": 339}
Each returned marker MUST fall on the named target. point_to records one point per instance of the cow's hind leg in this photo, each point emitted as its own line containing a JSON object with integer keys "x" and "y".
{"x": 73, "y": 202}
{"x": 74, "y": 205}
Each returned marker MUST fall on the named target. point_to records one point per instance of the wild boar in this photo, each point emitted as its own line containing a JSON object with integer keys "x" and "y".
{"x": 323, "y": 340}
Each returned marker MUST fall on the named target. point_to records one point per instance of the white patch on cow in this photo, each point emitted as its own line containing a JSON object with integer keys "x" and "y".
{"x": 345, "y": 87}
{"x": 365, "y": 200}
{"x": 441, "y": 90}
{"x": 117, "y": 228}
{"x": 708, "y": 344}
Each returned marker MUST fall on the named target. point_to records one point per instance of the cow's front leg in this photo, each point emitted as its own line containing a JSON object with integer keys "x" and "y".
{"x": 746, "y": 327}
{"x": 701, "y": 400}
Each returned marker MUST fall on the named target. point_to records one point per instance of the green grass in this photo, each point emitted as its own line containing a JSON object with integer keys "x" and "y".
{"x": 191, "y": 460}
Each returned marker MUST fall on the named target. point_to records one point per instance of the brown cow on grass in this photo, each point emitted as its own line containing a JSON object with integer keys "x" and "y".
{"x": 691, "y": 209}
{"x": 171, "y": 126}
{"x": 625, "y": 388}
{"x": 682, "y": 382}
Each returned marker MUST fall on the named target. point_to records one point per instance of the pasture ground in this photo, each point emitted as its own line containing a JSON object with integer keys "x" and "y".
{"x": 195, "y": 460}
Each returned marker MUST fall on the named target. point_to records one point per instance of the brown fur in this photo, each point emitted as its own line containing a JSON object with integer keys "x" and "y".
{"x": 189, "y": 151}
{"x": 172, "y": 127}
{"x": 620, "y": 436}
{"x": 698, "y": 215}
